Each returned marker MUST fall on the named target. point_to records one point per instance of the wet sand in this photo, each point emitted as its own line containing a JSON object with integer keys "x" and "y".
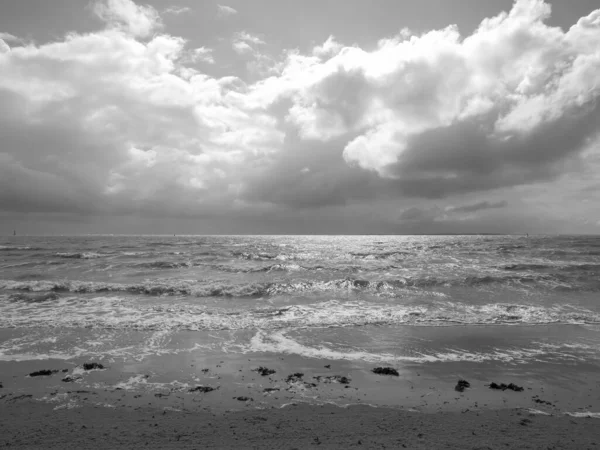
{"x": 155, "y": 403}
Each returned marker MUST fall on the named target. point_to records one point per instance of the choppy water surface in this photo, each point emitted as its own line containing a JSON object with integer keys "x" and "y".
{"x": 342, "y": 297}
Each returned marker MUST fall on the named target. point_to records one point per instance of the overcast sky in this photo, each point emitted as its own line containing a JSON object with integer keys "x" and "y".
{"x": 286, "y": 116}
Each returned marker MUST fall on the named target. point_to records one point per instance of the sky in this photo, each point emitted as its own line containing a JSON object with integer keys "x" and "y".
{"x": 287, "y": 117}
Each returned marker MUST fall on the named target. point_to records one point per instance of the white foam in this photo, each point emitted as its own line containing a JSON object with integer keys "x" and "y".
{"x": 585, "y": 414}
{"x": 141, "y": 383}
{"x": 37, "y": 357}
{"x": 537, "y": 412}
{"x": 279, "y": 343}
{"x": 128, "y": 313}
{"x": 71, "y": 404}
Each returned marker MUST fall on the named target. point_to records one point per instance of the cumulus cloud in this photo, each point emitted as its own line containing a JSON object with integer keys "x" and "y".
{"x": 138, "y": 20}
{"x": 103, "y": 122}
{"x": 177, "y": 10}
{"x": 200, "y": 54}
{"x": 7, "y": 37}
{"x": 244, "y": 42}
{"x": 441, "y": 114}
{"x": 225, "y": 11}
{"x": 119, "y": 121}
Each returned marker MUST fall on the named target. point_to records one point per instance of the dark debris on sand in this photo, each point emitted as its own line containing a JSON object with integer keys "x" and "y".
{"x": 92, "y": 366}
{"x": 43, "y": 373}
{"x": 294, "y": 377}
{"x": 264, "y": 371}
{"x": 333, "y": 379}
{"x": 71, "y": 378}
{"x": 243, "y": 399}
{"x": 385, "y": 371}
{"x": 203, "y": 389}
{"x": 502, "y": 386}
{"x": 536, "y": 399}
{"x": 271, "y": 389}
{"x": 462, "y": 385}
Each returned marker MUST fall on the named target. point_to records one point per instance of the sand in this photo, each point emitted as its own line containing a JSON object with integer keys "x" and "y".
{"x": 149, "y": 405}
{"x": 26, "y": 423}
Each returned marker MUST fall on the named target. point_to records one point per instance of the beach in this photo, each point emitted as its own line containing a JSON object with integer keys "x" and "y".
{"x": 110, "y": 408}
{"x": 293, "y": 342}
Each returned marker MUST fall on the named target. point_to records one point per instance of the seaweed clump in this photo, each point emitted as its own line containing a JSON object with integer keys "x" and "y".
{"x": 43, "y": 373}
{"x": 92, "y": 366}
{"x": 462, "y": 385}
{"x": 294, "y": 377}
{"x": 203, "y": 389}
{"x": 334, "y": 379}
{"x": 264, "y": 371}
{"x": 504, "y": 387}
{"x": 386, "y": 371}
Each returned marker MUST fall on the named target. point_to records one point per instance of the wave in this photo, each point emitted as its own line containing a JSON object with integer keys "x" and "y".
{"x": 304, "y": 256}
{"x": 554, "y": 267}
{"x": 118, "y": 313}
{"x": 167, "y": 264}
{"x": 258, "y": 256}
{"x": 79, "y": 255}
{"x": 278, "y": 342}
{"x": 35, "y": 298}
{"x": 268, "y": 289}
{"x": 266, "y": 269}
{"x": 17, "y": 248}
{"x": 380, "y": 255}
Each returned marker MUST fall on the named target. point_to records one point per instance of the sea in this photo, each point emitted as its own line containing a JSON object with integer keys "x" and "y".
{"x": 527, "y": 303}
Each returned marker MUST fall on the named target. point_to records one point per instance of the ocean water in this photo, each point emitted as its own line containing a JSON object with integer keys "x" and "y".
{"x": 402, "y": 300}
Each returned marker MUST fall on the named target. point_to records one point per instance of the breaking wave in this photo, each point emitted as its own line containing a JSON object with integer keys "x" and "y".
{"x": 554, "y": 267}
{"x": 79, "y": 255}
{"x": 119, "y": 313}
{"x": 17, "y": 248}
{"x": 167, "y": 264}
{"x": 268, "y": 289}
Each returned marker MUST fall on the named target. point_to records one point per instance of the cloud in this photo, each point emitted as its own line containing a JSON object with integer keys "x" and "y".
{"x": 475, "y": 207}
{"x": 328, "y": 48}
{"x": 258, "y": 62}
{"x": 415, "y": 214}
{"x": 244, "y": 43}
{"x": 225, "y": 11}
{"x": 177, "y": 10}
{"x": 242, "y": 47}
{"x": 105, "y": 123}
{"x": 7, "y": 37}
{"x": 200, "y": 54}
{"x": 441, "y": 114}
{"x": 121, "y": 121}
{"x": 449, "y": 213}
{"x": 247, "y": 37}
{"x": 138, "y": 20}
